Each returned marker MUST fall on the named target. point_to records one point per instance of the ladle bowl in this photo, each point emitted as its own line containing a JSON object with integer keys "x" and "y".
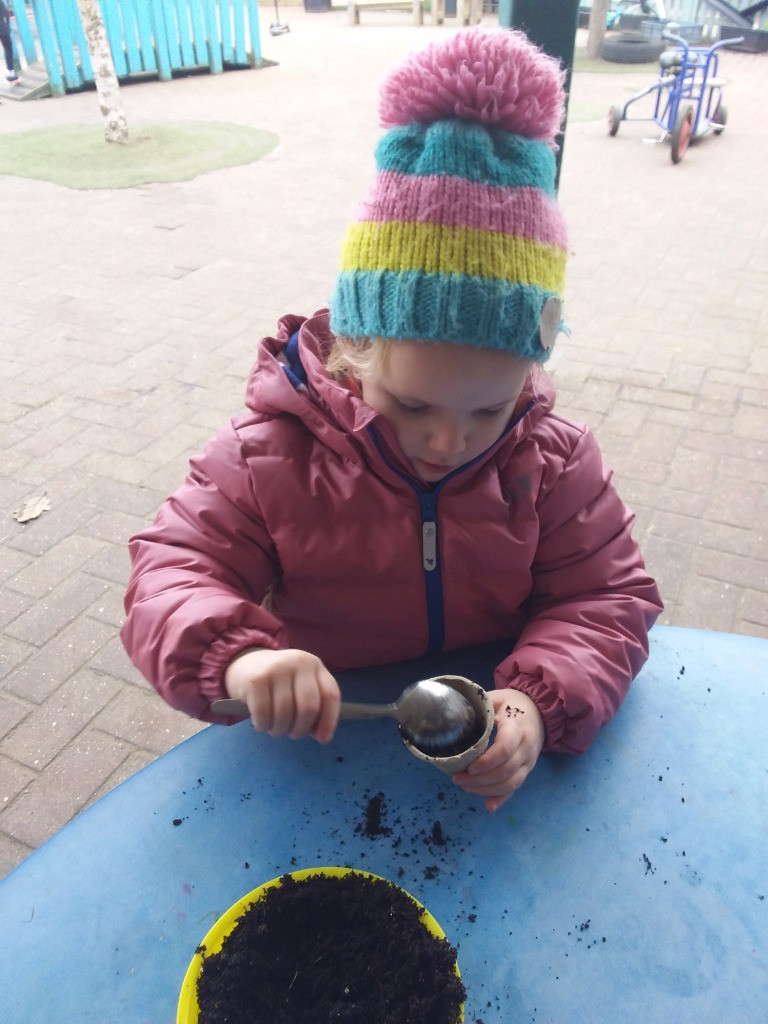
{"x": 459, "y": 759}
{"x": 432, "y": 715}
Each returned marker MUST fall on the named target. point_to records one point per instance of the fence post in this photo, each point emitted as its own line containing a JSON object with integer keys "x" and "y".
{"x": 215, "y": 58}
{"x": 48, "y": 47}
{"x": 551, "y": 24}
{"x": 253, "y": 28}
{"x": 25, "y": 34}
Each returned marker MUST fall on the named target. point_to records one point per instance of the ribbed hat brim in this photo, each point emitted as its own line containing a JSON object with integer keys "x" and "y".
{"x": 412, "y": 303}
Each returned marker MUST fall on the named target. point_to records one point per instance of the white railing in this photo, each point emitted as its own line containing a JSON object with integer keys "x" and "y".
{"x": 700, "y": 12}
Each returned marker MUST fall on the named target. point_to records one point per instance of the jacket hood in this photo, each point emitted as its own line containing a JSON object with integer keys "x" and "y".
{"x": 289, "y": 379}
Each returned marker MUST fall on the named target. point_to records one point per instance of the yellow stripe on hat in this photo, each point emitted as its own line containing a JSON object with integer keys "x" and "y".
{"x": 441, "y": 249}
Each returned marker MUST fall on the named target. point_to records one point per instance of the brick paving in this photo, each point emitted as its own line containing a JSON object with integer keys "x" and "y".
{"x": 128, "y": 321}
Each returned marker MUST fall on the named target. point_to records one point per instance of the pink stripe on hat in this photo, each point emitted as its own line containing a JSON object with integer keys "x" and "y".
{"x": 456, "y": 202}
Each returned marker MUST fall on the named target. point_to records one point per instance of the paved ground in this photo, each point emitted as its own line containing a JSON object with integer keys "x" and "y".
{"x": 128, "y": 322}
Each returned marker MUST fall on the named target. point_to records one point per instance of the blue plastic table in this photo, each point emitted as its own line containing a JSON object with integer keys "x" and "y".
{"x": 629, "y": 884}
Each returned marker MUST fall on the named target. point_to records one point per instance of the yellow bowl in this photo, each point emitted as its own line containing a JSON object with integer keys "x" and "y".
{"x": 188, "y": 1009}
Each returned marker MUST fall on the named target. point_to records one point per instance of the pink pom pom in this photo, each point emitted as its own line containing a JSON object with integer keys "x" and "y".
{"x": 494, "y": 76}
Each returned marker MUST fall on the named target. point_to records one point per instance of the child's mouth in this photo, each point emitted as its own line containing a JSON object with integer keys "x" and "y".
{"x": 434, "y": 467}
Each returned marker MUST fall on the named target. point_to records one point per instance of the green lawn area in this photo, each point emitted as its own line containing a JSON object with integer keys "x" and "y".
{"x": 77, "y": 156}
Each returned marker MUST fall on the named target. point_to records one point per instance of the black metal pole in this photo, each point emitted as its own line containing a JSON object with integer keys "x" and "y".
{"x": 551, "y": 24}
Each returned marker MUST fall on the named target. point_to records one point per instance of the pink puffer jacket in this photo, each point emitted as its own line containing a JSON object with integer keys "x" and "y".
{"x": 302, "y": 526}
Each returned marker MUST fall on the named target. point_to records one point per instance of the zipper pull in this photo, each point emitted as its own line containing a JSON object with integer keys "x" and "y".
{"x": 429, "y": 545}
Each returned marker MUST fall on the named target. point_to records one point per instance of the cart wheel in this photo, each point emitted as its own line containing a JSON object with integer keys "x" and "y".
{"x": 681, "y": 136}
{"x": 614, "y": 120}
{"x": 719, "y": 119}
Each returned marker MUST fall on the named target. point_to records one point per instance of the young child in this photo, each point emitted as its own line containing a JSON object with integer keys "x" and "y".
{"x": 401, "y": 484}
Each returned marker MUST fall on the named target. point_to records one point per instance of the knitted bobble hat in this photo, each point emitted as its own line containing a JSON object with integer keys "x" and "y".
{"x": 461, "y": 238}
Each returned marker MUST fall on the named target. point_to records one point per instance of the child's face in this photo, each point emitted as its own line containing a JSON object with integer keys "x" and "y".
{"x": 447, "y": 403}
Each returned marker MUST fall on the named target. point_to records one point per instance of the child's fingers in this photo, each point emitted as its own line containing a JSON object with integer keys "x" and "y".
{"x": 288, "y": 693}
{"x": 260, "y": 706}
{"x": 495, "y": 793}
{"x": 493, "y": 782}
{"x": 497, "y": 778}
{"x": 308, "y": 700}
{"x": 283, "y": 703}
{"x": 487, "y": 763}
{"x": 330, "y": 698}
{"x": 505, "y": 766}
{"x": 493, "y": 803}
{"x": 496, "y": 756}
{"x": 506, "y": 745}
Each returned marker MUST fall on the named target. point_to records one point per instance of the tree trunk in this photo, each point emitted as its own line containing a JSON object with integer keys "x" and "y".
{"x": 107, "y": 87}
{"x": 597, "y": 17}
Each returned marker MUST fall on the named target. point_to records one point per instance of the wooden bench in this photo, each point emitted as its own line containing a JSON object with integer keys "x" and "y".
{"x": 355, "y": 6}
{"x": 468, "y": 12}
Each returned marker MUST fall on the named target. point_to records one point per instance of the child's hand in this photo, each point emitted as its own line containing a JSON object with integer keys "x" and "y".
{"x": 288, "y": 693}
{"x": 504, "y": 767}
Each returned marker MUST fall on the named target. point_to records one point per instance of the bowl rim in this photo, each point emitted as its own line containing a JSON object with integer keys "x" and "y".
{"x": 188, "y": 1010}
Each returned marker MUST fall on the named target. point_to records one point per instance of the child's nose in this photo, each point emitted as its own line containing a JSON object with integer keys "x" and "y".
{"x": 448, "y": 438}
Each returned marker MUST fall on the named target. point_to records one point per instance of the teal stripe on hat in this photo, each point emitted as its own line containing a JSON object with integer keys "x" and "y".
{"x": 440, "y": 307}
{"x": 468, "y": 150}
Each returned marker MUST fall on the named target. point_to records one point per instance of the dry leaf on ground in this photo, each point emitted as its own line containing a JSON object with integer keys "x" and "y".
{"x": 32, "y": 509}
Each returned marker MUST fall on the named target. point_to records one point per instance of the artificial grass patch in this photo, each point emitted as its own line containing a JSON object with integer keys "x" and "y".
{"x": 77, "y": 156}
{"x": 585, "y": 110}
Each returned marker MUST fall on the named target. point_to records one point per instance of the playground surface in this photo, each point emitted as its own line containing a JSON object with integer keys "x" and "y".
{"x": 129, "y": 320}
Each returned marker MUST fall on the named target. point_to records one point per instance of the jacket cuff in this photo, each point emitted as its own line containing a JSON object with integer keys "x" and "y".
{"x": 550, "y": 706}
{"x": 214, "y": 662}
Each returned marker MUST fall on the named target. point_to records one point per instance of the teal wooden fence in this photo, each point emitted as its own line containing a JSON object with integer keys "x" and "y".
{"x": 145, "y": 36}
{"x": 26, "y": 39}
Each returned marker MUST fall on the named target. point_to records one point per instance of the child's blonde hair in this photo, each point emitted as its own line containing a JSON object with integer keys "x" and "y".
{"x": 355, "y": 358}
{"x": 350, "y": 359}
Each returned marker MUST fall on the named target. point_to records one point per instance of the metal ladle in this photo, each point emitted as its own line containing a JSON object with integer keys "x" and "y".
{"x": 431, "y": 714}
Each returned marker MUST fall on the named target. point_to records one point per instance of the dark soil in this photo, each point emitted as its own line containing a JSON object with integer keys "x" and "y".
{"x": 374, "y": 813}
{"x": 331, "y": 949}
{"x": 472, "y": 734}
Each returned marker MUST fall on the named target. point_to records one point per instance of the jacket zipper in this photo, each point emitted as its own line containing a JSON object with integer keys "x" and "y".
{"x": 430, "y": 537}
{"x": 433, "y": 576}
{"x": 430, "y": 551}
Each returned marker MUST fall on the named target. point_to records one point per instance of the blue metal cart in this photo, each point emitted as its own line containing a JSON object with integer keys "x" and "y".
{"x": 687, "y": 98}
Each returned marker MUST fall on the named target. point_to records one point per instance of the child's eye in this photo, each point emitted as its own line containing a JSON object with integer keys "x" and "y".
{"x": 489, "y": 414}
{"x": 413, "y": 409}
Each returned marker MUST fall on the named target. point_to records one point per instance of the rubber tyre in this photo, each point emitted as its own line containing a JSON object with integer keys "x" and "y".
{"x": 614, "y": 120}
{"x": 719, "y": 119}
{"x": 681, "y": 136}
{"x": 631, "y": 48}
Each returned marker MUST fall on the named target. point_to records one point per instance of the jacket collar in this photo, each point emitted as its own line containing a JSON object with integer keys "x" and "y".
{"x": 289, "y": 377}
